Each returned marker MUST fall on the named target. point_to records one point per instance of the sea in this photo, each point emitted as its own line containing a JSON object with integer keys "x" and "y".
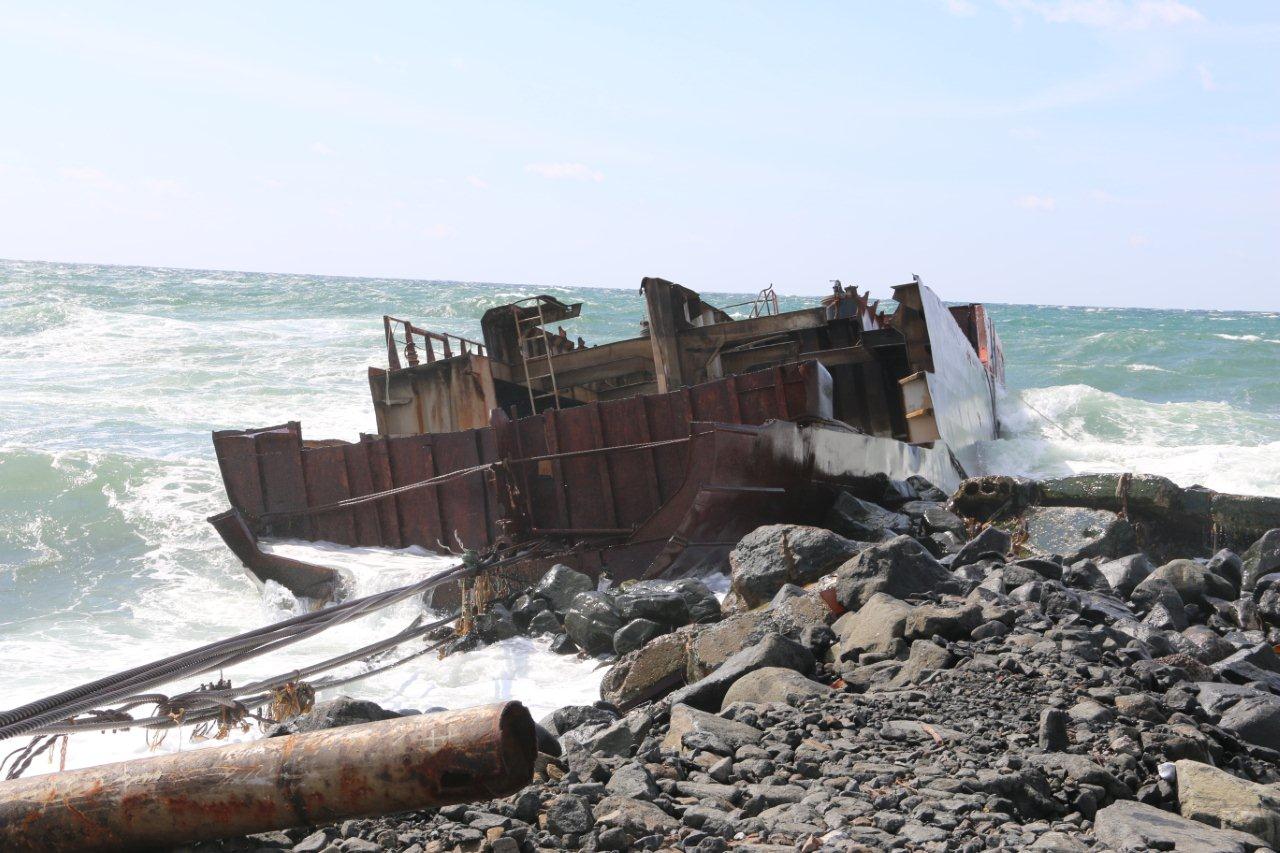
{"x": 113, "y": 377}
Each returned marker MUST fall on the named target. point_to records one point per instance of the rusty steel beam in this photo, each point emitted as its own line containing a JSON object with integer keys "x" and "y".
{"x": 300, "y": 780}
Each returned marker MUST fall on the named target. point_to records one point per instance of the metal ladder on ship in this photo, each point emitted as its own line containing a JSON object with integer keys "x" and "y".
{"x": 524, "y": 339}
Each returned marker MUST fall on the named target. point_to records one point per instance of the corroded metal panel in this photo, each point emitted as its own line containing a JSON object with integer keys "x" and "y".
{"x": 411, "y": 462}
{"x": 325, "y": 471}
{"x": 388, "y": 508}
{"x": 284, "y": 488}
{"x": 462, "y": 503}
{"x": 368, "y": 528}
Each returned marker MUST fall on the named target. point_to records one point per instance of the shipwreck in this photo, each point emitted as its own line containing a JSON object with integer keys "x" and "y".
{"x": 643, "y": 457}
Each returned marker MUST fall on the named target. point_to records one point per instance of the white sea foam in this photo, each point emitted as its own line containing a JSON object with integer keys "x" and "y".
{"x": 1146, "y": 368}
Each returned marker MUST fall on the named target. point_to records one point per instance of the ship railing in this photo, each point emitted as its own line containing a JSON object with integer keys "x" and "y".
{"x": 448, "y": 345}
{"x": 764, "y": 305}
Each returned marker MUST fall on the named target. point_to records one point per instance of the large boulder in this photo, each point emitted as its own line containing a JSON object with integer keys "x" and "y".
{"x": 701, "y": 602}
{"x": 714, "y": 644}
{"x": 925, "y": 657}
{"x": 1125, "y": 573}
{"x": 686, "y": 720}
{"x": 951, "y": 623}
{"x": 1254, "y": 720}
{"x": 776, "y": 554}
{"x": 876, "y": 627}
{"x": 1262, "y": 558}
{"x": 773, "y": 650}
{"x": 855, "y": 518}
{"x": 559, "y": 586}
{"x": 651, "y": 672}
{"x": 1217, "y": 798}
{"x": 1129, "y": 825}
{"x": 1076, "y": 533}
{"x": 1193, "y": 581}
{"x": 900, "y": 567}
{"x": 772, "y": 684}
{"x": 1156, "y": 590}
{"x": 992, "y": 540}
{"x": 664, "y": 606}
{"x": 635, "y": 634}
{"x": 591, "y": 621}
{"x": 333, "y": 714}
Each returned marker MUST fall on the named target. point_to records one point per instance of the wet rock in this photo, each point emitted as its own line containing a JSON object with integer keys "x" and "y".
{"x": 701, "y": 602}
{"x": 1077, "y": 533}
{"x": 495, "y": 624}
{"x": 663, "y": 606}
{"x": 1263, "y": 557}
{"x": 1219, "y": 799}
{"x": 773, "y": 555}
{"x": 562, "y": 645}
{"x": 545, "y": 622}
{"x": 773, "y": 650}
{"x": 772, "y": 684}
{"x": 560, "y": 585}
{"x": 1085, "y": 575}
{"x": 900, "y": 567}
{"x": 1125, "y": 573}
{"x": 333, "y": 714}
{"x": 525, "y": 607}
{"x": 857, "y": 519}
{"x": 686, "y": 720}
{"x": 1226, "y": 563}
{"x": 1156, "y": 590}
{"x": 591, "y": 621}
{"x": 876, "y": 626}
{"x": 991, "y": 540}
{"x": 635, "y": 634}
{"x": 1128, "y": 825}
{"x": 925, "y": 490}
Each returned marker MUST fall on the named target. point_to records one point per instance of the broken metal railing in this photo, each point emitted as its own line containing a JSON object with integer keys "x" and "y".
{"x": 429, "y": 340}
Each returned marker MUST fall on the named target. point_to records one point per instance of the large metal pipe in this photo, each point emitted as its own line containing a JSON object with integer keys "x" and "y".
{"x": 300, "y": 780}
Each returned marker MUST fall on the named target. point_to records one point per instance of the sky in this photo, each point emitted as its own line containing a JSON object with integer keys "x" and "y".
{"x": 1085, "y": 152}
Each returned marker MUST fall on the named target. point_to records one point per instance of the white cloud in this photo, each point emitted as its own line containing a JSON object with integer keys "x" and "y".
{"x": 1137, "y": 241}
{"x": 439, "y": 231}
{"x": 164, "y": 187}
{"x": 565, "y": 171}
{"x": 272, "y": 183}
{"x": 478, "y": 182}
{"x": 1206, "y": 78}
{"x": 1109, "y": 14}
{"x": 88, "y": 177}
{"x": 1039, "y": 203}
{"x": 1026, "y": 134}
{"x": 322, "y": 149}
{"x": 960, "y": 8}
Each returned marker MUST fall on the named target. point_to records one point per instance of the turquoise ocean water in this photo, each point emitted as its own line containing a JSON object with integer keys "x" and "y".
{"x": 111, "y": 379}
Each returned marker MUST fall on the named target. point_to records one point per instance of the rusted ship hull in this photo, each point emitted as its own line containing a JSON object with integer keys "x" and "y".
{"x": 634, "y": 484}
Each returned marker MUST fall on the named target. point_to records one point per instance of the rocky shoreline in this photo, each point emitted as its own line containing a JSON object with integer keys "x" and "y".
{"x": 994, "y": 671}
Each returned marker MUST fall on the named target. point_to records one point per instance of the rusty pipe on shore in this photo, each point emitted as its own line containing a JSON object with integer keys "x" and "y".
{"x": 299, "y": 780}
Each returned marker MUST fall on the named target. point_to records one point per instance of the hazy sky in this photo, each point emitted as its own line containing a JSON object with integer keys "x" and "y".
{"x": 1055, "y": 151}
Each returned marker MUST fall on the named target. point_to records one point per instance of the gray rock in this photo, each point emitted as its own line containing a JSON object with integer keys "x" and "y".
{"x": 951, "y": 623}
{"x": 560, "y": 584}
{"x": 1076, "y": 533}
{"x": 1193, "y": 581}
{"x": 857, "y": 519}
{"x": 773, "y": 650}
{"x": 638, "y": 816}
{"x": 686, "y": 720}
{"x": 1081, "y": 770}
{"x": 1053, "y": 730}
{"x": 1129, "y": 825}
{"x": 1254, "y": 720}
{"x": 316, "y": 841}
{"x": 569, "y": 814}
{"x": 591, "y": 622}
{"x": 637, "y": 633}
{"x": 1210, "y": 647}
{"x": 632, "y": 780}
{"x": 702, "y": 603}
{"x": 773, "y": 684}
{"x": 1125, "y": 573}
{"x": 776, "y": 554}
{"x": 1226, "y": 563}
{"x": 925, "y": 657}
{"x": 1085, "y": 575}
{"x": 545, "y": 622}
{"x": 1156, "y": 590}
{"x": 714, "y": 644}
{"x": 1263, "y": 557}
{"x": 991, "y": 540}
{"x": 654, "y": 670}
{"x": 333, "y": 714}
{"x": 877, "y": 626}
{"x": 664, "y": 606}
{"x": 939, "y": 520}
{"x": 1219, "y": 799}
{"x": 1091, "y": 712}
{"x": 900, "y": 567}
{"x": 564, "y": 720}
